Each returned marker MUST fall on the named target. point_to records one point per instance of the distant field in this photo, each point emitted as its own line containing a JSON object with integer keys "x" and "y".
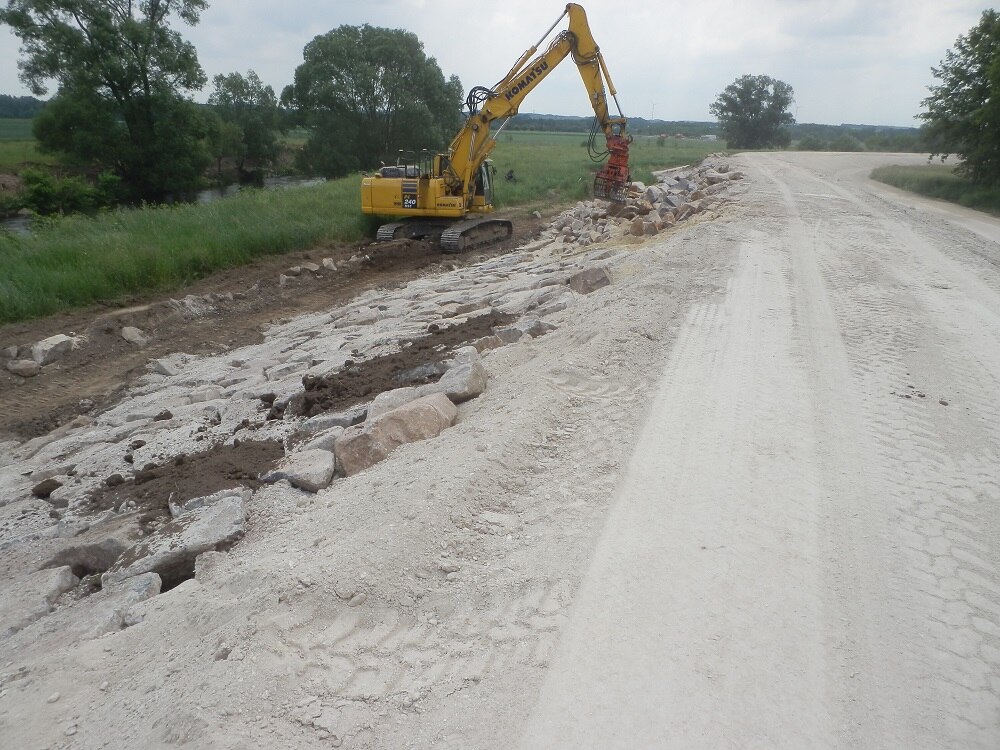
{"x": 940, "y": 181}
{"x": 554, "y": 168}
{"x": 18, "y": 130}
{"x": 17, "y": 146}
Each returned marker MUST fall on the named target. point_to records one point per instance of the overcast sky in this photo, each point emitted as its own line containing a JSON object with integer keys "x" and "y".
{"x": 849, "y": 61}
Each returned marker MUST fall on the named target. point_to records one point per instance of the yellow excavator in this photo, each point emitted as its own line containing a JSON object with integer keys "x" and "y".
{"x": 448, "y": 197}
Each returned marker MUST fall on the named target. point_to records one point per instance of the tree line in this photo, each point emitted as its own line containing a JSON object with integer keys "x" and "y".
{"x": 961, "y": 116}
{"x": 124, "y": 79}
{"x": 19, "y": 107}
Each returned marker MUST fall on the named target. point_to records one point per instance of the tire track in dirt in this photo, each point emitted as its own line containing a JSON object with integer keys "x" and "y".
{"x": 931, "y": 468}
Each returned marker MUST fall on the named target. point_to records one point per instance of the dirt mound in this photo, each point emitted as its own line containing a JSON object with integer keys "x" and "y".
{"x": 420, "y": 361}
{"x": 188, "y": 476}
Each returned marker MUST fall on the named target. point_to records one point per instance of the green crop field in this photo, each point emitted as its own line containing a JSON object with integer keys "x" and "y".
{"x": 75, "y": 261}
{"x": 15, "y": 130}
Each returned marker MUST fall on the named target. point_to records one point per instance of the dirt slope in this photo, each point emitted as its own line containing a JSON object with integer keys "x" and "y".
{"x": 746, "y": 496}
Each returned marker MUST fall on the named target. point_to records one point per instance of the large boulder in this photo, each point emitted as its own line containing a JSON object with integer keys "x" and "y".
{"x": 389, "y": 400}
{"x": 27, "y": 599}
{"x": 311, "y": 470}
{"x": 365, "y": 445}
{"x": 51, "y": 349}
{"x": 591, "y": 279}
{"x": 172, "y": 549}
{"x": 460, "y": 383}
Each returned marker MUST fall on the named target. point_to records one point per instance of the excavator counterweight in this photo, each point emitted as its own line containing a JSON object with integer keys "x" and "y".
{"x": 445, "y": 197}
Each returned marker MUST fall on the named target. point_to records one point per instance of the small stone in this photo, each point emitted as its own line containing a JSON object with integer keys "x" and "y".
{"x": 164, "y": 367}
{"x": 71, "y": 731}
{"x": 25, "y": 368}
{"x": 53, "y": 698}
{"x": 357, "y": 600}
{"x": 115, "y": 480}
{"x": 943, "y": 402}
{"x": 163, "y": 416}
{"x": 43, "y": 489}
{"x": 329, "y": 265}
{"x": 134, "y": 336}
{"x": 104, "y": 685}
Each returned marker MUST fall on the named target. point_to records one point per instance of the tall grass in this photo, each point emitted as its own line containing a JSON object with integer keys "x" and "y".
{"x": 75, "y": 261}
{"x": 940, "y": 181}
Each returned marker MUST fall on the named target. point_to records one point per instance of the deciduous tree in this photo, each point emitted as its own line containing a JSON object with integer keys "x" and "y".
{"x": 250, "y": 106}
{"x": 366, "y": 92}
{"x": 753, "y": 110}
{"x": 963, "y": 110}
{"x": 122, "y": 73}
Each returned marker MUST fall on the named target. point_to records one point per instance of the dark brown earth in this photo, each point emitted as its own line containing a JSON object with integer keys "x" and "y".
{"x": 419, "y": 361}
{"x": 94, "y": 376}
{"x": 188, "y": 476}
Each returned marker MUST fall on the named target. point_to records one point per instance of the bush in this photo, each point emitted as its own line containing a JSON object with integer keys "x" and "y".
{"x": 811, "y": 143}
{"x": 846, "y": 142}
{"x": 47, "y": 194}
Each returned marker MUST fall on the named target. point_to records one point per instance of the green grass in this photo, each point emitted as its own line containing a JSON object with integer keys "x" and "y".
{"x": 76, "y": 261}
{"x": 940, "y": 181}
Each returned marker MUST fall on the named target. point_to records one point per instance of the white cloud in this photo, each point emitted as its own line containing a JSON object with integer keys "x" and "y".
{"x": 848, "y": 60}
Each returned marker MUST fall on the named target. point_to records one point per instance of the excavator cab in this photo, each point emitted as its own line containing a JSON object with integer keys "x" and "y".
{"x": 483, "y": 196}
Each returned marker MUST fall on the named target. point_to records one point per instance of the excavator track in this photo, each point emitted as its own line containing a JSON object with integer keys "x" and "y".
{"x": 412, "y": 229}
{"x": 388, "y": 232}
{"x": 472, "y": 233}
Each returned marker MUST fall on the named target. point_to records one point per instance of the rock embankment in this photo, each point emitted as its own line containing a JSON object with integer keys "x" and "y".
{"x": 69, "y": 527}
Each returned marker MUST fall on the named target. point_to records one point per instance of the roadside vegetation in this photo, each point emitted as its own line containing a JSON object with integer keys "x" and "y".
{"x": 943, "y": 182}
{"x": 75, "y": 261}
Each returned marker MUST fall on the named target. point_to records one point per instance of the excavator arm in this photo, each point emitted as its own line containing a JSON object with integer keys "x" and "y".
{"x": 474, "y": 142}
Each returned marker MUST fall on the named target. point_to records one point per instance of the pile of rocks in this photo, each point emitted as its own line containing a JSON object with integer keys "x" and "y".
{"x": 186, "y": 403}
{"x": 680, "y": 194}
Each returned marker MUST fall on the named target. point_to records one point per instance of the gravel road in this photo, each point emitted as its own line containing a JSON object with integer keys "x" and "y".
{"x": 746, "y": 496}
{"x": 803, "y": 551}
